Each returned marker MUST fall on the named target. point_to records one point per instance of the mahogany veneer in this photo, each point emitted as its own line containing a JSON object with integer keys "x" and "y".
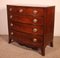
{"x": 31, "y": 26}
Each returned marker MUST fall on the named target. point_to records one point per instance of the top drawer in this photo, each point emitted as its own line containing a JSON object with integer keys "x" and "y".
{"x": 19, "y": 10}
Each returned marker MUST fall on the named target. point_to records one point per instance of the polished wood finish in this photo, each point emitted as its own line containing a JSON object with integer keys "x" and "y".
{"x": 31, "y": 26}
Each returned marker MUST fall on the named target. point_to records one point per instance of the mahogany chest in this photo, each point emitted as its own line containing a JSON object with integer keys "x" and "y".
{"x": 31, "y": 26}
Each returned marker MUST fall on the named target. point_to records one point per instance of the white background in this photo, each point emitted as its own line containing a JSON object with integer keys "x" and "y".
{"x": 3, "y": 12}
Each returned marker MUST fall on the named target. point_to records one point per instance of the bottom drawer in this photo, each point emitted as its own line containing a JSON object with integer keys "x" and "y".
{"x": 27, "y": 39}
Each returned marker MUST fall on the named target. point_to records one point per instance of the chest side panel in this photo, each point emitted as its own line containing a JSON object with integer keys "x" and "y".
{"x": 49, "y": 24}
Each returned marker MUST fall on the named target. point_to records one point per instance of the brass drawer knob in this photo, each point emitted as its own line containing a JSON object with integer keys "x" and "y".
{"x": 11, "y": 24}
{"x": 35, "y": 11}
{"x": 10, "y": 9}
{"x": 34, "y": 40}
{"x": 21, "y": 10}
{"x": 35, "y": 20}
{"x": 11, "y": 16}
{"x": 35, "y": 30}
{"x": 12, "y": 33}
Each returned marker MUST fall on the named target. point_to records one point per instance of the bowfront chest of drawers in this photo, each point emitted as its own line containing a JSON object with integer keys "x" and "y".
{"x": 31, "y": 26}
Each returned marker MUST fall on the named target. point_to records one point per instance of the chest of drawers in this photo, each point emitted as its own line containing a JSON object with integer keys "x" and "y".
{"x": 31, "y": 26}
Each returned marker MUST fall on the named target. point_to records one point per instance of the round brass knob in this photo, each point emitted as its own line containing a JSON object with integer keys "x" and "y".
{"x": 34, "y": 40}
{"x": 12, "y": 33}
{"x": 35, "y": 30}
{"x": 11, "y": 16}
{"x": 11, "y": 24}
{"x": 21, "y": 10}
{"x": 10, "y": 9}
{"x": 35, "y": 11}
{"x": 35, "y": 20}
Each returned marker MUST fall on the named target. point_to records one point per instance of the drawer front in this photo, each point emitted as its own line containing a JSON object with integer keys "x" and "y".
{"x": 14, "y": 10}
{"x": 27, "y": 28}
{"x": 17, "y": 10}
{"x": 34, "y": 11}
{"x": 26, "y": 39}
{"x": 27, "y": 19}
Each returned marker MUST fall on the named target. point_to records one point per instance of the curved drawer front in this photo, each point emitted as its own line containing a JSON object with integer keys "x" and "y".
{"x": 27, "y": 19}
{"x": 34, "y": 11}
{"x": 27, "y": 39}
{"x": 18, "y": 10}
{"x": 27, "y": 28}
{"x": 14, "y": 10}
